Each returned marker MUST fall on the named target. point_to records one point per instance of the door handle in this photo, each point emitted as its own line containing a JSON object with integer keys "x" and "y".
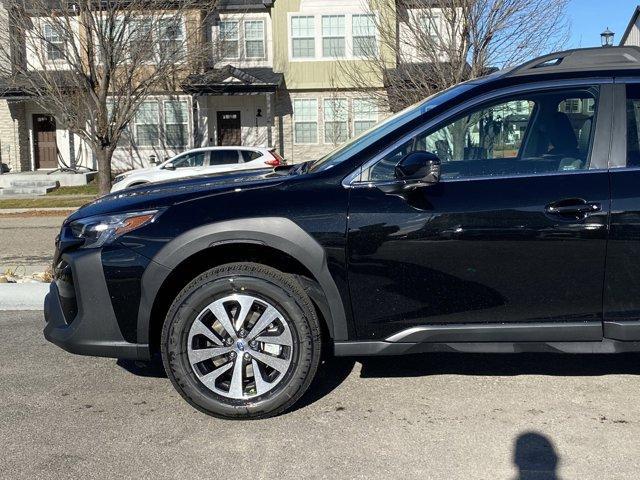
{"x": 575, "y": 208}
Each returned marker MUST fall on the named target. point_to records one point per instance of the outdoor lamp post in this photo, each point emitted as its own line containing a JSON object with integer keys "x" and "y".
{"x": 606, "y": 38}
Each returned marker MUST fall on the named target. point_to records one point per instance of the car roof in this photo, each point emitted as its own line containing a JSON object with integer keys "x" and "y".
{"x": 587, "y": 61}
{"x": 229, "y": 147}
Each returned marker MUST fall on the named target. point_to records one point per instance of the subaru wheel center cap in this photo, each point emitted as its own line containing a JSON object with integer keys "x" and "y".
{"x": 240, "y": 345}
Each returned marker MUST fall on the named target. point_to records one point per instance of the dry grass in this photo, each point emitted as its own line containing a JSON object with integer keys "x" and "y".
{"x": 46, "y": 202}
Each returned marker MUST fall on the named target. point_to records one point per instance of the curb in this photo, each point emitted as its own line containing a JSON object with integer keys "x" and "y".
{"x": 23, "y": 296}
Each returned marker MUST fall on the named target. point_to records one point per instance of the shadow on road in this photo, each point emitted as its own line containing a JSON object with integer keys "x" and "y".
{"x": 152, "y": 368}
{"x": 536, "y": 457}
{"x": 500, "y": 364}
{"x": 331, "y": 373}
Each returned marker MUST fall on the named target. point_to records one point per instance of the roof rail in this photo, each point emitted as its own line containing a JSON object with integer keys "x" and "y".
{"x": 580, "y": 60}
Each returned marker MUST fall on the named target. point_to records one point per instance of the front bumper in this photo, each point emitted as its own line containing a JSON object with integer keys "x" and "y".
{"x": 91, "y": 328}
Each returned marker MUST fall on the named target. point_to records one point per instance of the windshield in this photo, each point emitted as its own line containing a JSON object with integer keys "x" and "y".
{"x": 385, "y": 127}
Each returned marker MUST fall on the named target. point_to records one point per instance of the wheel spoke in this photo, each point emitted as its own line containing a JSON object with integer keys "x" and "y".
{"x": 217, "y": 308}
{"x": 279, "y": 364}
{"x": 221, "y": 360}
{"x": 261, "y": 385}
{"x": 266, "y": 319}
{"x": 202, "y": 354}
{"x": 199, "y": 328}
{"x": 245, "y": 307}
{"x": 283, "y": 339}
{"x": 210, "y": 378}
{"x": 236, "y": 389}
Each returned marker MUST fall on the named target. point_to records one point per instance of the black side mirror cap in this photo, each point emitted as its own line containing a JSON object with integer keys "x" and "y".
{"x": 417, "y": 169}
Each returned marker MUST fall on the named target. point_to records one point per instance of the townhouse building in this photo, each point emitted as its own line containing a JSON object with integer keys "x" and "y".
{"x": 276, "y": 78}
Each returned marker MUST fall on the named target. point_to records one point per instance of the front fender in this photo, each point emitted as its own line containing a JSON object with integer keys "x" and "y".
{"x": 275, "y": 232}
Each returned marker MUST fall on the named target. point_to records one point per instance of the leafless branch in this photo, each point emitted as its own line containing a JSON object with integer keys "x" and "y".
{"x": 424, "y": 46}
{"x": 92, "y": 62}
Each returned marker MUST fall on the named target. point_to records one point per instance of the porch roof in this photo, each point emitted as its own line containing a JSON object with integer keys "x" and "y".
{"x": 20, "y": 87}
{"x": 230, "y": 80}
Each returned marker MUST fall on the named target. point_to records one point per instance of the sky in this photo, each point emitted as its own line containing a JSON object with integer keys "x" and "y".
{"x": 590, "y": 17}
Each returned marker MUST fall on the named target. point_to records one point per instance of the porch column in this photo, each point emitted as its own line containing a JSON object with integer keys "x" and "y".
{"x": 269, "y": 119}
{"x": 201, "y": 121}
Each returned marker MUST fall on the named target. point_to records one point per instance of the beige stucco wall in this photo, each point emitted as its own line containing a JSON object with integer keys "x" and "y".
{"x": 318, "y": 74}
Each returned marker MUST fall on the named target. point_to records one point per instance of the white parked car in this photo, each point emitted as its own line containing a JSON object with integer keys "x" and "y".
{"x": 201, "y": 161}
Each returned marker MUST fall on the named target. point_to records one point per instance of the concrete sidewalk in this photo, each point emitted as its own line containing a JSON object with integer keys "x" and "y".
{"x": 22, "y": 296}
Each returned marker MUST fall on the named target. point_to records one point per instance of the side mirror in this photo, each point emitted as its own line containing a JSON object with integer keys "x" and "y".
{"x": 169, "y": 166}
{"x": 417, "y": 169}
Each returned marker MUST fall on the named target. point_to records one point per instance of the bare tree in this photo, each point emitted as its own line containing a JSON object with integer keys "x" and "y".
{"x": 424, "y": 46}
{"x": 91, "y": 63}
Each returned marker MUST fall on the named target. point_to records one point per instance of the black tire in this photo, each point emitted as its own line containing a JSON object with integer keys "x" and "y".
{"x": 279, "y": 289}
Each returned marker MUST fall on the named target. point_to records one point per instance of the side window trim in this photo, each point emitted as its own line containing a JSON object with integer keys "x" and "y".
{"x": 353, "y": 179}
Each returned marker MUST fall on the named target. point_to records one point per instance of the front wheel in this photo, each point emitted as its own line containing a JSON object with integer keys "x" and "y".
{"x": 241, "y": 341}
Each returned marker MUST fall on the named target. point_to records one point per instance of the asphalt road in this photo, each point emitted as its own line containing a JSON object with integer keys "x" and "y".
{"x": 27, "y": 241}
{"x": 444, "y": 416}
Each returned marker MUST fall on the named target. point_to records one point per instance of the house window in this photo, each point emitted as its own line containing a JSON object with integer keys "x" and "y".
{"x": 336, "y": 117}
{"x": 303, "y": 41}
{"x": 571, "y": 105}
{"x": 229, "y": 42}
{"x": 254, "y": 38}
{"x": 141, "y": 41}
{"x": 364, "y": 35}
{"x": 305, "y": 120}
{"x": 176, "y": 123}
{"x": 147, "y": 125}
{"x": 429, "y": 25}
{"x": 333, "y": 36}
{"x": 53, "y": 45}
{"x": 170, "y": 37}
{"x": 365, "y": 115}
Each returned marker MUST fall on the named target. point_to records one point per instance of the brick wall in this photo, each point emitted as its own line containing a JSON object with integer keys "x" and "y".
{"x": 14, "y": 137}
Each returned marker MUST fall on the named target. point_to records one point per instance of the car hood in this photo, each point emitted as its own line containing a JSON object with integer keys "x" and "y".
{"x": 167, "y": 193}
{"x": 141, "y": 171}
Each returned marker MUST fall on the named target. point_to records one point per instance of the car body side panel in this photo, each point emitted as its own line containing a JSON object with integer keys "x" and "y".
{"x": 307, "y": 223}
{"x": 479, "y": 251}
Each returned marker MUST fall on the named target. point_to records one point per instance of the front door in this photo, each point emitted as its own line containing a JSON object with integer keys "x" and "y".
{"x": 515, "y": 231}
{"x": 45, "y": 147}
{"x": 229, "y": 130}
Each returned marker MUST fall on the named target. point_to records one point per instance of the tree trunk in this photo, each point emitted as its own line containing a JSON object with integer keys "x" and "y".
{"x": 103, "y": 155}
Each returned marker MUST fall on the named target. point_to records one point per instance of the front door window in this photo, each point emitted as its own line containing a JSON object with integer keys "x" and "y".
{"x": 190, "y": 160}
{"x": 535, "y": 133}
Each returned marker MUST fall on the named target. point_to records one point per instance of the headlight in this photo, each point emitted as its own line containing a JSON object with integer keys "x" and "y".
{"x": 119, "y": 178}
{"x": 104, "y": 229}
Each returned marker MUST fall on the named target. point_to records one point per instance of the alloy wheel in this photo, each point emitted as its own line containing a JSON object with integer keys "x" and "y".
{"x": 240, "y": 346}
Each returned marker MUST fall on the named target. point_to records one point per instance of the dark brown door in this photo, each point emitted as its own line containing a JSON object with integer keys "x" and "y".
{"x": 44, "y": 141}
{"x": 229, "y": 131}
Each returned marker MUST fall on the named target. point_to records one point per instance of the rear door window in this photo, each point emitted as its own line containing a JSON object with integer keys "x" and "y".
{"x": 224, "y": 157}
{"x": 249, "y": 155}
{"x": 633, "y": 125}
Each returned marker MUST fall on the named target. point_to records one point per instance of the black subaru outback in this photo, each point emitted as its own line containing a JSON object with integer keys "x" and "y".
{"x": 501, "y": 215}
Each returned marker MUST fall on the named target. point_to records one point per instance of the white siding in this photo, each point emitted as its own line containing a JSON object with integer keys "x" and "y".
{"x": 634, "y": 34}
